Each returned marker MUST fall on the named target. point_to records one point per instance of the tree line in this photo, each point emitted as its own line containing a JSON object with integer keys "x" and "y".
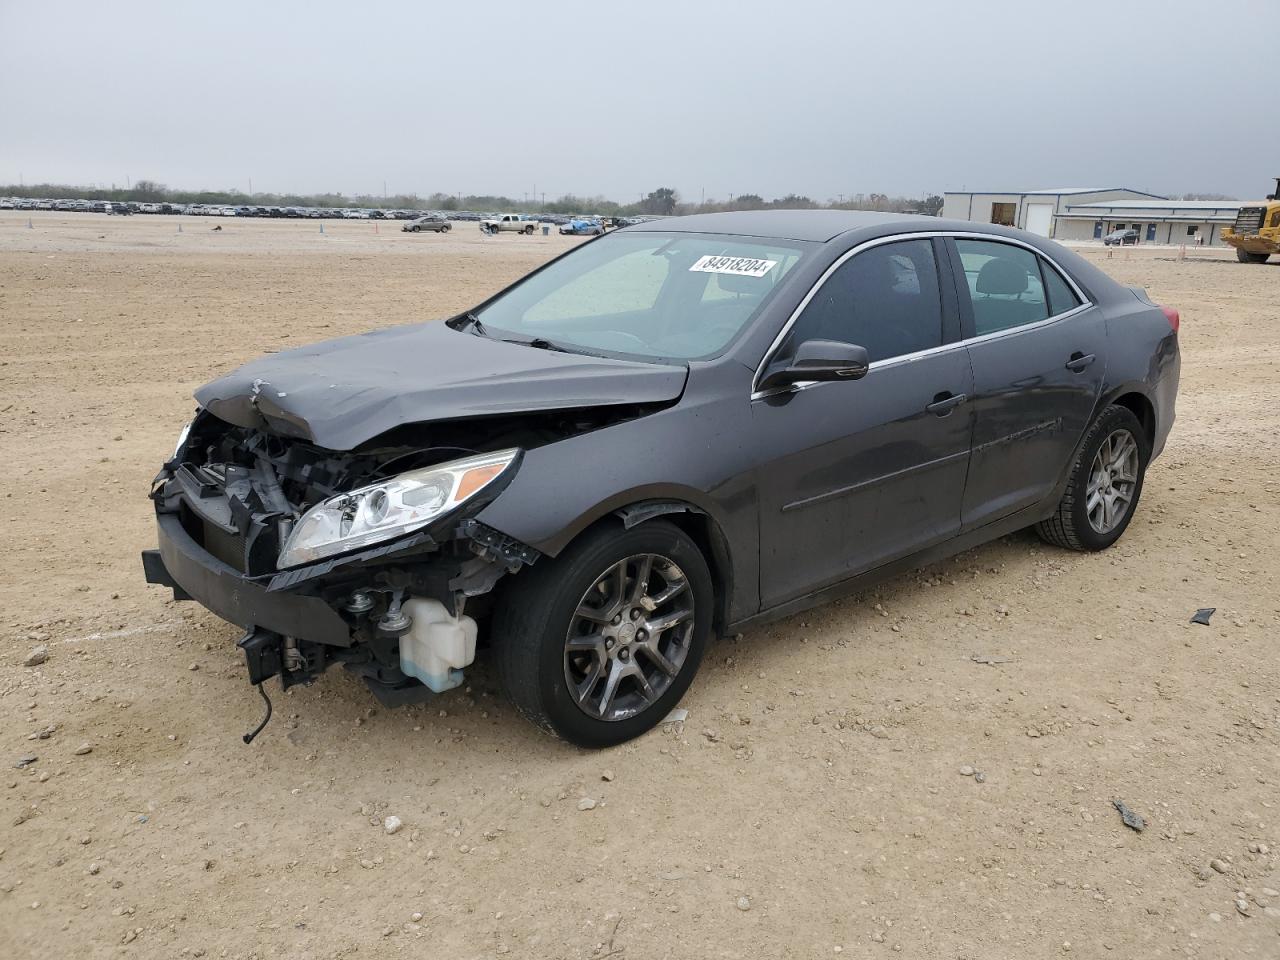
{"x": 664, "y": 201}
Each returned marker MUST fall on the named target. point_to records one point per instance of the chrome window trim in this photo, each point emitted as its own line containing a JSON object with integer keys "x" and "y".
{"x": 1085, "y": 304}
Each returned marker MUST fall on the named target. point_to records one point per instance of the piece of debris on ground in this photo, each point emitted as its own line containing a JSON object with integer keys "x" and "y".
{"x": 989, "y": 660}
{"x": 1131, "y": 819}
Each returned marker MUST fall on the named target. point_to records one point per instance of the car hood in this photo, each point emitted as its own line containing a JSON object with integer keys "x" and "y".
{"x": 340, "y": 393}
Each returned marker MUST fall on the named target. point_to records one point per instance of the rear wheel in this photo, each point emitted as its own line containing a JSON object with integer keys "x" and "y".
{"x": 598, "y": 644}
{"x": 1244, "y": 256}
{"x": 1104, "y": 485}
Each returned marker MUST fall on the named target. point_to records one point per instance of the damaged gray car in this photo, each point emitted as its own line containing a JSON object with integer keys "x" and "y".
{"x": 680, "y": 429}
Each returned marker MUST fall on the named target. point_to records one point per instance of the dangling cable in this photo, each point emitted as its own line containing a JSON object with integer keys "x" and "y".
{"x": 248, "y": 737}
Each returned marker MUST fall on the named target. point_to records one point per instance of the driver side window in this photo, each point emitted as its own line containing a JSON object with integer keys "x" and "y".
{"x": 884, "y": 299}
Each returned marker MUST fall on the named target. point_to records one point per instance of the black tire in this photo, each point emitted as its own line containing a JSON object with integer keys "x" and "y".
{"x": 415, "y": 228}
{"x": 446, "y": 228}
{"x": 1244, "y": 256}
{"x": 539, "y": 606}
{"x": 1070, "y": 526}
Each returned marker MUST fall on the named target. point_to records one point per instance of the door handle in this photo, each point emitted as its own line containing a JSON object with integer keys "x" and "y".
{"x": 945, "y": 402}
{"x": 1079, "y": 361}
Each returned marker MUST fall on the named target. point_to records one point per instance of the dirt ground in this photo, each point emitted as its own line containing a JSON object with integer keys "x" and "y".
{"x": 816, "y": 782}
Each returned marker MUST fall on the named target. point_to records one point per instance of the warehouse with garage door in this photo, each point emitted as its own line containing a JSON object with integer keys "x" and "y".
{"x": 1036, "y": 211}
{"x": 1193, "y": 222}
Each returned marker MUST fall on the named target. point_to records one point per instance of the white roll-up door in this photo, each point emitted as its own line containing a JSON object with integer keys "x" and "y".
{"x": 1039, "y": 218}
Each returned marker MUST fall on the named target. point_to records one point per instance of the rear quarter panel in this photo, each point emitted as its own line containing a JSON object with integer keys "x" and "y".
{"x": 1142, "y": 348}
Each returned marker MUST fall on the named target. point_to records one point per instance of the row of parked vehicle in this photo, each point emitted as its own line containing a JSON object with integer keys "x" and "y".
{"x": 124, "y": 208}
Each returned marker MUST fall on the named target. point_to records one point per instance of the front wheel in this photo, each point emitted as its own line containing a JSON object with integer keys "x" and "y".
{"x": 1244, "y": 256}
{"x": 1104, "y": 485}
{"x": 598, "y": 644}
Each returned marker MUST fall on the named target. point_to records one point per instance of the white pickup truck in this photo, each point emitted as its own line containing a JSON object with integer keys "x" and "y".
{"x": 509, "y": 222}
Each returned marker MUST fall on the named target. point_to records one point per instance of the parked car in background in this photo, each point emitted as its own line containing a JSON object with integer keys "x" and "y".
{"x": 432, "y": 221}
{"x": 1121, "y": 238}
{"x": 686, "y": 428}
{"x": 509, "y": 223}
{"x": 580, "y": 228}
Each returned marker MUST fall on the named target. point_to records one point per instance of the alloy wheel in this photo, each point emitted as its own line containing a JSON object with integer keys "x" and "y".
{"x": 1113, "y": 478}
{"x": 629, "y": 637}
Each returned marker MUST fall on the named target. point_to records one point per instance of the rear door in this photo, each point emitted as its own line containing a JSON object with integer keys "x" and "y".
{"x": 1038, "y": 351}
{"x": 865, "y": 471}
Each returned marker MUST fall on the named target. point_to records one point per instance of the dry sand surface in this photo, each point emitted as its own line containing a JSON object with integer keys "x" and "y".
{"x": 813, "y": 804}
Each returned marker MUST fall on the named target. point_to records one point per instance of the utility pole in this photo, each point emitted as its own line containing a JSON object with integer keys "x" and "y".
{"x": 384, "y": 191}
{"x": 841, "y": 196}
{"x": 251, "y": 186}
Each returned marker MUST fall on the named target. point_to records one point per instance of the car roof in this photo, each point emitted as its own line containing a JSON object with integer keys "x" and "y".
{"x": 812, "y": 225}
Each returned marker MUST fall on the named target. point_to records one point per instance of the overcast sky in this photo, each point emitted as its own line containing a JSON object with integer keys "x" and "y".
{"x": 509, "y": 96}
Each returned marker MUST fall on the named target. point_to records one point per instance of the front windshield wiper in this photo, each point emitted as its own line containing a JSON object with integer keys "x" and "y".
{"x": 542, "y": 343}
{"x": 469, "y": 320}
{"x": 462, "y": 321}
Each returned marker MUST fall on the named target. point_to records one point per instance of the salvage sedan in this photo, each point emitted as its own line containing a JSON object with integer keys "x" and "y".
{"x": 680, "y": 429}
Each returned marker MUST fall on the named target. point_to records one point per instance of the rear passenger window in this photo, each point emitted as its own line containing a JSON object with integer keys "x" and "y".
{"x": 884, "y": 299}
{"x": 1061, "y": 297}
{"x": 1004, "y": 285}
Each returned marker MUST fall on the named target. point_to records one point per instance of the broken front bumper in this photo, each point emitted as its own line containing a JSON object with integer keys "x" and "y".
{"x": 193, "y": 573}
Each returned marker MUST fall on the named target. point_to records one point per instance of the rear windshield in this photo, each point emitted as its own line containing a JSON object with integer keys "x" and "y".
{"x": 678, "y": 296}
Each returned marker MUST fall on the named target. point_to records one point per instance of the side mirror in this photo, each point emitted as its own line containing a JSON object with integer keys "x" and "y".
{"x": 819, "y": 360}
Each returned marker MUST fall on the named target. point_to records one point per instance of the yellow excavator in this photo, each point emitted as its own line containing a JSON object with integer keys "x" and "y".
{"x": 1256, "y": 232}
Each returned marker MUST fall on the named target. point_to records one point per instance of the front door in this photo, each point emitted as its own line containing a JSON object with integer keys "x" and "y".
{"x": 869, "y": 470}
{"x": 1039, "y": 357}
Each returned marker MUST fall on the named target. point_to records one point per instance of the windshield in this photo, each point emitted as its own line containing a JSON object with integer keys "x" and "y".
{"x": 663, "y": 295}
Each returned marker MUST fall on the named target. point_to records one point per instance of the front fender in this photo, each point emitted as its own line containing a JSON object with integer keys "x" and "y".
{"x": 698, "y": 453}
{"x": 550, "y": 530}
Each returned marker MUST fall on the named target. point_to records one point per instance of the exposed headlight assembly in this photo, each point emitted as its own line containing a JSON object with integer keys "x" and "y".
{"x": 182, "y": 440}
{"x": 392, "y": 508}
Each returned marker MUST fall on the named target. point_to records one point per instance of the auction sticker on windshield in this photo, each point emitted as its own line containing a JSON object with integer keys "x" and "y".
{"x": 739, "y": 266}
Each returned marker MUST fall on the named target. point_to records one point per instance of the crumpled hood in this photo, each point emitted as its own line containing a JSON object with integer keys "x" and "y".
{"x": 340, "y": 393}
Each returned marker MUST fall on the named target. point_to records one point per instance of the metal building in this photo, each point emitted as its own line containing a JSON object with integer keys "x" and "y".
{"x": 1195, "y": 222}
{"x": 1090, "y": 213}
{"x": 1033, "y": 210}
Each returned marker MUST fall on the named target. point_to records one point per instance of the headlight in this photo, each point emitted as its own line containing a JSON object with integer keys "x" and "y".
{"x": 383, "y": 511}
{"x": 182, "y": 440}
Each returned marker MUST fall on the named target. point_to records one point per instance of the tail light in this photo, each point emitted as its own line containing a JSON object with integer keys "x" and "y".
{"x": 1172, "y": 316}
